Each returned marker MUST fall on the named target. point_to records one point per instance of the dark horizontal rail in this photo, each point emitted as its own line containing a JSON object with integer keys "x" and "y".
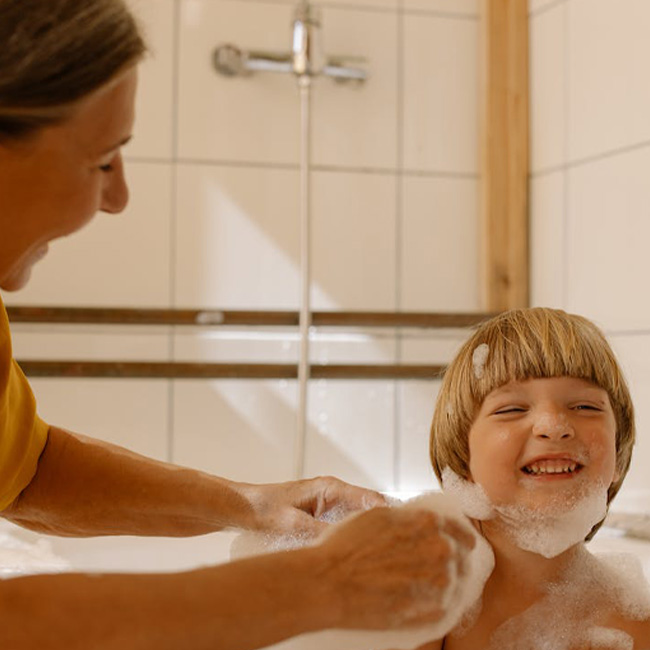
{"x": 203, "y": 317}
{"x": 183, "y": 370}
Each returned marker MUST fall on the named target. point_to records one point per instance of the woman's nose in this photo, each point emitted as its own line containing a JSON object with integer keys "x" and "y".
{"x": 553, "y": 426}
{"x": 115, "y": 194}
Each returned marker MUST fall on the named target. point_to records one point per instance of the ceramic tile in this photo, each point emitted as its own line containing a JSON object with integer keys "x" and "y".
{"x": 356, "y": 125}
{"x": 121, "y": 260}
{"x": 439, "y": 245}
{"x": 357, "y": 4}
{"x": 244, "y": 118}
{"x": 131, "y": 413}
{"x": 351, "y": 432}
{"x": 242, "y": 429}
{"x": 416, "y": 405}
{"x": 154, "y": 105}
{"x": 353, "y": 241}
{"x": 237, "y": 238}
{"x": 237, "y": 345}
{"x": 440, "y": 110}
{"x": 89, "y": 343}
{"x": 547, "y": 88}
{"x": 352, "y": 346}
{"x": 607, "y": 241}
{"x": 452, "y": 7}
{"x": 610, "y": 96}
{"x": 535, "y": 6}
{"x": 547, "y": 241}
{"x": 437, "y": 347}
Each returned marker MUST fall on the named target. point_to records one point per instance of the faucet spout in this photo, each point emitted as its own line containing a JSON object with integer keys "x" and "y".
{"x": 307, "y": 52}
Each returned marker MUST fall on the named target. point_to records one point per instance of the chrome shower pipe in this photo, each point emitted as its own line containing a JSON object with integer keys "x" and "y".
{"x": 304, "y": 83}
{"x": 231, "y": 61}
{"x": 306, "y": 62}
{"x": 305, "y": 58}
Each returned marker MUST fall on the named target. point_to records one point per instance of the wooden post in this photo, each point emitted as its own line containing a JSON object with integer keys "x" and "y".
{"x": 504, "y": 254}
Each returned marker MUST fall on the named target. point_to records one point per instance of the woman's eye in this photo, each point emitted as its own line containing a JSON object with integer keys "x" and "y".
{"x": 106, "y": 168}
{"x": 586, "y": 407}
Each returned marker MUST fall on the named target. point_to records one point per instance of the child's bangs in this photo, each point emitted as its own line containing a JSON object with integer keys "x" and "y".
{"x": 544, "y": 347}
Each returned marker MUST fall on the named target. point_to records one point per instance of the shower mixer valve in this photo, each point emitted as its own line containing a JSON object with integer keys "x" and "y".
{"x": 305, "y": 60}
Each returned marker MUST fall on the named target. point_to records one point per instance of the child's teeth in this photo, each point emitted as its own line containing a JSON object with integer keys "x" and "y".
{"x": 552, "y": 467}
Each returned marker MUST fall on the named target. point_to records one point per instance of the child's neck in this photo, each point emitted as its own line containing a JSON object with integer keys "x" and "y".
{"x": 522, "y": 572}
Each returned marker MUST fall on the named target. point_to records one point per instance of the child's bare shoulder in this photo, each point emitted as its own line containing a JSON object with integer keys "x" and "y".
{"x": 637, "y": 630}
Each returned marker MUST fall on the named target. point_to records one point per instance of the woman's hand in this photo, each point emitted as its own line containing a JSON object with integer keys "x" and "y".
{"x": 389, "y": 568}
{"x": 303, "y": 508}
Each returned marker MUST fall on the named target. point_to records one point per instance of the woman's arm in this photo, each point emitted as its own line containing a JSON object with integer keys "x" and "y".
{"x": 385, "y": 568}
{"x": 86, "y": 487}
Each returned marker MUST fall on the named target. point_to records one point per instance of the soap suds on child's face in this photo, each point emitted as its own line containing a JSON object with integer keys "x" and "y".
{"x": 479, "y": 358}
{"x": 564, "y": 520}
{"x": 561, "y": 524}
{"x": 471, "y": 497}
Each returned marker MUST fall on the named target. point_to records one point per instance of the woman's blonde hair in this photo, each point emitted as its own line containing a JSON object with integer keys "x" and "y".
{"x": 525, "y": 344}
{"x": 56, "y": 52}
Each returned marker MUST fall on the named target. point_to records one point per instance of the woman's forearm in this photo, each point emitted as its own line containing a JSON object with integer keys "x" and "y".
{"x": 238, "y": 606}
{"x": 86, "y": 487}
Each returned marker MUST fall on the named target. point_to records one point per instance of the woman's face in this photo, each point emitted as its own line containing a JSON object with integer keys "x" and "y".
{"x": 53, "y": 183}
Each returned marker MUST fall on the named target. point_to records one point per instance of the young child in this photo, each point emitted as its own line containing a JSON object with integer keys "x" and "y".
{"x": 533, "y": 432}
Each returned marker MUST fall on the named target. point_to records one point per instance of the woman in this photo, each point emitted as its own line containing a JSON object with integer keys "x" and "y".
{"x": 68, "y": 76}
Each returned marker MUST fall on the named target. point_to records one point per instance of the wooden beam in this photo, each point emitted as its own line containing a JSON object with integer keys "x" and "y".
{"x": 230, "y": 318}
{"x": 504, "y": 154}
{"x": 185, "y": 370}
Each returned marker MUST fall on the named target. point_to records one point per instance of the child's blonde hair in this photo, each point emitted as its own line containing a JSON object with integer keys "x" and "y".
{"x": 525, "y": 344}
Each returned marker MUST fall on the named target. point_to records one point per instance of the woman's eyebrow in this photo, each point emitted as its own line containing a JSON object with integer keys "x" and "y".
{"x": 121, "y": 143}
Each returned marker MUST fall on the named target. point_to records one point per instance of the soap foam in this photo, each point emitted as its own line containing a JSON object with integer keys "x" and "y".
{"x": 571, "y": 611}
{"x": 471, "y": 497}
{"x": 479, "y": 357}
{"x": 460, "y": 597}
{"x": 553, "y": 529}
{"x": 547, "y": 530}
{"x": 19, "y": 557}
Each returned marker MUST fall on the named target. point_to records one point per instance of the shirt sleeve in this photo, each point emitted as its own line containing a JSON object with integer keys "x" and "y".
{"x": 22, "y": 433}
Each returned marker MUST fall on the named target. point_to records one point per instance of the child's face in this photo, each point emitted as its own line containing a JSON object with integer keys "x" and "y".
{"x": 533, "y": 440}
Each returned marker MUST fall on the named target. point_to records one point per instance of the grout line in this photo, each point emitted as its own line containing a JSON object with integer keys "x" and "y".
{"x": 623, "y": 333}
{"x": 588, "y": 160}
{"x": 399, "y": 225}
{"x": 565, "y": 172}
{"x": 436, "y": 13}
{"x": 176, "y": 49}
{"x": 296, "y": 167}
{"x": 544, "y": 9}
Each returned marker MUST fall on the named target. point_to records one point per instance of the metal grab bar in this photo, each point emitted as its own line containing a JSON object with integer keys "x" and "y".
{"x": 185, "y": 370}
{"x": 239, "y": 318}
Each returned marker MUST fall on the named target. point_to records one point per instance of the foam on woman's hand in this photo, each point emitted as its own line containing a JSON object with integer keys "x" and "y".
{"x": 19, "y": 557}
{"x": 458, "y": 599}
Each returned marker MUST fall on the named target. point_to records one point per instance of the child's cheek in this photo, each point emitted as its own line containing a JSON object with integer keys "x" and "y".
{"x": 602, "y": 455}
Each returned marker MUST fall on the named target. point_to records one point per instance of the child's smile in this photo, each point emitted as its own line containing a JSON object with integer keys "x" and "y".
{"x": 537, "y": 435}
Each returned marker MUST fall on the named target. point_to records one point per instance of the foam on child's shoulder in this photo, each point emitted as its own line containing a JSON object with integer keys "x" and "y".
{"x": 458, "y": 599}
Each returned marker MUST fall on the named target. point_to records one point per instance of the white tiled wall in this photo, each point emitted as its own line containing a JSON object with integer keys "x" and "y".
{"x": 590, "y": 197}
{"x": 214, "y": 222}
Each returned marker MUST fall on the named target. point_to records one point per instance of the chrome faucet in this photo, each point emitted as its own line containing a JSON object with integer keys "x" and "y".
{"x": 306, "y": 58}
{"x": 307, "y": 54}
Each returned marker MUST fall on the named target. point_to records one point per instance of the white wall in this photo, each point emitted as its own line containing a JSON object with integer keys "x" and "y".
{"x": 213, "y": 222}
{"x": 590, "y": 194}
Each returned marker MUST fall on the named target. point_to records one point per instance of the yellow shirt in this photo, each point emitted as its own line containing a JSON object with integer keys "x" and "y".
{"x": 22, "y": 433}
